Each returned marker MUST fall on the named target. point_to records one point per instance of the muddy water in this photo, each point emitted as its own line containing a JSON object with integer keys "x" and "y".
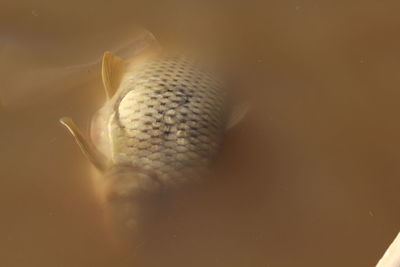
{"x": 310, "y": 178}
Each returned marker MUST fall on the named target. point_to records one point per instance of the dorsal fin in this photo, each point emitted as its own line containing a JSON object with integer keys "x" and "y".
{"x": 112, "y": 70}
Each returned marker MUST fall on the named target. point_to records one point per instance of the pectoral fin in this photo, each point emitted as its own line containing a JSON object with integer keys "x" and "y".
{"x": 237, "y": 114}
{"x": 112, "y": 70}
{"x": 86, "y": 146}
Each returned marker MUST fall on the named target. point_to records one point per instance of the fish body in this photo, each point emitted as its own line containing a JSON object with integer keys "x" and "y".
{"x": 167, "y": 117}
{"x": 161, "y": 126}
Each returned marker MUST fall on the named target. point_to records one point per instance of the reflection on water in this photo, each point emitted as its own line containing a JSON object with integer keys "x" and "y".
{"x": 310, "y": 179}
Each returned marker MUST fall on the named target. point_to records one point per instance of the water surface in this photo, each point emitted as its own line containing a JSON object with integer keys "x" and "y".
{"x": 309, "y": 179}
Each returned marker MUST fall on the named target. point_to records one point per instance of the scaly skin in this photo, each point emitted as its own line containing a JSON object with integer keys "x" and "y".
{"x": 167, "y": 118}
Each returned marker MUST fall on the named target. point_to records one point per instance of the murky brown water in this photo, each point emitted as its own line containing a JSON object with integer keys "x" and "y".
{"x": 311, "y": 177}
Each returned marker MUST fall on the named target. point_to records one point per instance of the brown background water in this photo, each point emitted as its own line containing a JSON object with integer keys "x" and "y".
{"x": 310, "y": 178}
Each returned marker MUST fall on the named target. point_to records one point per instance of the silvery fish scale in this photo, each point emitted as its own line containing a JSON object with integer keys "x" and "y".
{"x": 167, "y": 117}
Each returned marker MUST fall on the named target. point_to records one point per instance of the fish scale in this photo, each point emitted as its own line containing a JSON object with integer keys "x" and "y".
{"x": 169, "y": 117}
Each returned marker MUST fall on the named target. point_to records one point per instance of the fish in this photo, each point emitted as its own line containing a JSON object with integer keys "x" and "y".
{"x": 160, "y": 128}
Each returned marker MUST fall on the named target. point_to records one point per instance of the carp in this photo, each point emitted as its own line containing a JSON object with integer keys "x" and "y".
{"x": 161, "y": 125}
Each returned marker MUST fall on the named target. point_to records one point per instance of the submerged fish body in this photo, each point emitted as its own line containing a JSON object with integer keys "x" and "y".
{"x": 161, "y": 126}
{"x": 167, "y": 118}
